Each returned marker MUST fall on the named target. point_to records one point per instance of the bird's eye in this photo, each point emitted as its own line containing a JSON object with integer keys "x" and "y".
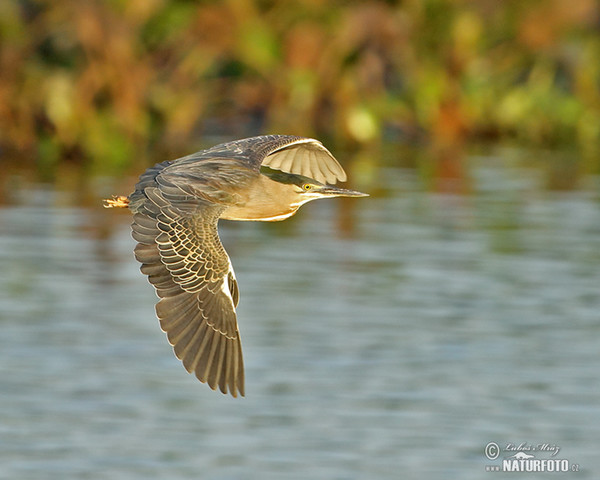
{"x": 307, "y": 187}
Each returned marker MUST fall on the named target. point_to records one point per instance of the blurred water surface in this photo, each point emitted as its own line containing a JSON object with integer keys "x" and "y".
{"x": 396, "y": 347}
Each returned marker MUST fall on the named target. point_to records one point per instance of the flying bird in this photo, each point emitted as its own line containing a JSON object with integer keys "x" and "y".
{"x": 176, "y": 206}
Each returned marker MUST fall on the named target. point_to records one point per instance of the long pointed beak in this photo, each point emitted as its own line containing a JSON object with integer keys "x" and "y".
{"x": 331, "y": 191}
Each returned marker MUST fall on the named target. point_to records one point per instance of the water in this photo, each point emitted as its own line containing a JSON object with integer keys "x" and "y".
{"x": 398, "y": 349}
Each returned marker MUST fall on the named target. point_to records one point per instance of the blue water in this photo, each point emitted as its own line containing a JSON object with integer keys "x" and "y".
{"x": 398, "y": 348}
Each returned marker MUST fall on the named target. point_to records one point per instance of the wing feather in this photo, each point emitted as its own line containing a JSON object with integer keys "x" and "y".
{"x": 182, "y": 255}
{"x": 307, "y": 157}
{"x": 287, "y": 160}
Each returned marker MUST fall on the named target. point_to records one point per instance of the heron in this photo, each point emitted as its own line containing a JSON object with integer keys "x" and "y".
{"x": 176, "y": 207}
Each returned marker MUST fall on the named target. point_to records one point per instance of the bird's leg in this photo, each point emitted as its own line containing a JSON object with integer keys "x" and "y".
{"x": 117, "y": 201}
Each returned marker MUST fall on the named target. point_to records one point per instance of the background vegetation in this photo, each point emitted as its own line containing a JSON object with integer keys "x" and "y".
{"x": 112, "y": 85}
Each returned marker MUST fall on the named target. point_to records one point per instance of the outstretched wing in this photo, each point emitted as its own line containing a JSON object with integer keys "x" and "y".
{"x": 307, "y": 157}
{"x": 288, "y": 153}
{"x": 180, "y": 251}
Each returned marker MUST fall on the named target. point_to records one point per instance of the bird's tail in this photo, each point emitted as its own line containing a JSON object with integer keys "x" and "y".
{"x": 117, "y": 201}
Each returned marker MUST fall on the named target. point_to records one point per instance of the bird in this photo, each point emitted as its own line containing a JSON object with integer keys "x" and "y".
{"x": 176, "y": 207}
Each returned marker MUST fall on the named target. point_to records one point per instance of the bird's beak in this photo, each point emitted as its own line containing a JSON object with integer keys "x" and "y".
{"x": 331, "y": 191}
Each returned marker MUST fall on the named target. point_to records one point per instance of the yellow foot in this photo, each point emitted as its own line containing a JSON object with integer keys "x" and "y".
{"x": 117, "y": 201}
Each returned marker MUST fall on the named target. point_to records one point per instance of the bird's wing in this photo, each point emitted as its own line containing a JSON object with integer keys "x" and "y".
{"x": 290, "y": 154}
{"x": 304, "y": 156}
{"x": 180, "y": 251}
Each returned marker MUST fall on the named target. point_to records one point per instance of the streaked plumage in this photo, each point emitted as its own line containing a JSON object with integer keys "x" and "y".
{"x": 176, "y": 206}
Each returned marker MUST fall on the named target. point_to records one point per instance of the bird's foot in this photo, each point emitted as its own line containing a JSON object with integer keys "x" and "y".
{"x": 117, "y": 201}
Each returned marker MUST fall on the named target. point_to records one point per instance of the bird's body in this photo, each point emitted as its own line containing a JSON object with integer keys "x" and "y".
{"x": 176, "y": 206}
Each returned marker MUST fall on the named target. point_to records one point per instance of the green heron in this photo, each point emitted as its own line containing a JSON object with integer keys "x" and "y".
{"x": 176, "y": 206}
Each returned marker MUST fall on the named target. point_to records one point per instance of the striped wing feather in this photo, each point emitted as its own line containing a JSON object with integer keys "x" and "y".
{"x": 309, "y": 158}
{"x": 183, "y": 257}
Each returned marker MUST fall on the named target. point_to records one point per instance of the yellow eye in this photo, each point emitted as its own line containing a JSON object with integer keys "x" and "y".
{"x": 307, "y": 187}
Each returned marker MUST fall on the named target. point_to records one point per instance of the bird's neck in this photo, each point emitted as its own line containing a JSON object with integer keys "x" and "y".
{"x": 267, "y": 203}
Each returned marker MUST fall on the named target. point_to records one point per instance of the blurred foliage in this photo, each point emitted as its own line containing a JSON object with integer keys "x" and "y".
{"x": 106, "y": 84}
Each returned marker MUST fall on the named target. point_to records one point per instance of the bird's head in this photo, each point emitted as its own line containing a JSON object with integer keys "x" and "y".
{"x": 277, "y": 195}
{"x": 308, "y": 189}
{"x": 300, "y": 189}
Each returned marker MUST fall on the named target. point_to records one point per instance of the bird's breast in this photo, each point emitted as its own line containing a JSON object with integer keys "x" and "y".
{"x": 248, "y": 213}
